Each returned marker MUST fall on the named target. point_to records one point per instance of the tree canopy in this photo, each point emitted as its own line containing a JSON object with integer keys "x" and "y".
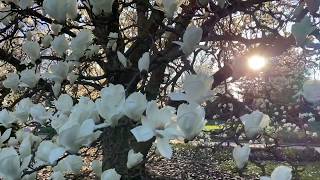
{"x": 130, "y": 75}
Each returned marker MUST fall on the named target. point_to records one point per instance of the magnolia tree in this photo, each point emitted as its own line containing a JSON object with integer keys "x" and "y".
{"x": 129, "y": 74}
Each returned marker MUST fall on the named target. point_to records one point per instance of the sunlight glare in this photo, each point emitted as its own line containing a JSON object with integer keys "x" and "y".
{"x": 256, "y": 62}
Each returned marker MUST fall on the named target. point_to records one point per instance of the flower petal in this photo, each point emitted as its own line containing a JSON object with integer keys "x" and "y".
{"x": 142, "y": 133}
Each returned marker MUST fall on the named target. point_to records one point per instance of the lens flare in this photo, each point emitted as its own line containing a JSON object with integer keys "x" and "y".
{"x": 257, "y": 62}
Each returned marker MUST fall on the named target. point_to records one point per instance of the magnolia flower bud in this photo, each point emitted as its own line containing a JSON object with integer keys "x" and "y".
{"x": 110, "y": 174}
{"x": 80, "y": 43}
{"x": 32, "y": 49}
{"x": 135, "y": 105}
{"x": 60, "y": 45}
{"x": 144, "y": 62}
{"x": 56, "y": 88}
{"x": 29, "y": 78}
{"x": 122, "y": 59}
{"x": 5, "y": 136}
{"x": 134, "y": 158}
{"x": 191, "y": 39}
{"x": 61, "y": 9}
{"x": 241, "y": 155}
{"x": 64, "y": 103}
{"x": 12, "y": 81}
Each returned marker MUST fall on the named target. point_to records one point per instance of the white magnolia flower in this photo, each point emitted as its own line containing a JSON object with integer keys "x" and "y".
{"x": 12, "y": 81}
{"x": 84, "y": 110}
{"x": 302, "y": 29}
{"x": 28, "y": 141}
{"x": 135, "y": 105}
{"x": 5, "y": 136}
{"x": 64, "y": 103}
{"x": 6, "y": 118}
{"x": 73, "y": 135}
{"x": 241, "y": 155}
{"x": 197, "y": 89}
{"x": 24, "y": 4}
{"x": 60, "y": 44}
{"x": 134, "y": 158}
{"x": 58, "y": 72}
{"x": 80, "y": 43}
{"x": 61, "y": 9}
{"x": 111, "y": 103}
{"x": 122, "y": 59}
{"x": 110, "y": 174}
{"x": 32, "y": 49}
{"x": 97, "y": 167}
{"x": 49, "y": 152}
{"x": 57, "y": 176}
{"x": 29, "y": 78}
{"x": 169, "y": 7}
{"x": 58, "y": 120}
{"x": 279, "y": 173}
{"x": 101, "y": 6}
{"x": 39, "y": 113}
{"x": 46, "y": 41}
{"x": 254, "y": 123}
{"x": 70, "y": 164}
{"x": 191, "y": 39}
{"x": 310, "y": 91}
{"x": 9, "y": 164}
{"x": 190, "y": 118}
{"x": 159, "y": 123}
{"x": 22, "y": 110}
{"x": 144, "y": 62}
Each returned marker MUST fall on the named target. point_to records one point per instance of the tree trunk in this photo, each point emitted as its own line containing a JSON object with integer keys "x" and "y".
{"x": 116, "y": 144}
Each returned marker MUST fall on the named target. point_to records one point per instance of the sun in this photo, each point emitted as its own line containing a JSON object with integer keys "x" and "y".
{"x": 257, "y": 62}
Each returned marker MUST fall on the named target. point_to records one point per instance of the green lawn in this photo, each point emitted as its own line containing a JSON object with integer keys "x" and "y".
{"x": 208, "y": 128}
{"x": 224, "y": 162}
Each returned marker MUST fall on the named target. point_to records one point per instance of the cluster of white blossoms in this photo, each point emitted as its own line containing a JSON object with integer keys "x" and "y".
{"x": 28, "y": 78}
{"x": 79, "y": 46}
{"x": 77, "y": 125}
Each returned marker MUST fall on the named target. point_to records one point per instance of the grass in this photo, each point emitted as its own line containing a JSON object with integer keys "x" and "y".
{"x": 307, "y": 170}
{"x": 209, "y": 128}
